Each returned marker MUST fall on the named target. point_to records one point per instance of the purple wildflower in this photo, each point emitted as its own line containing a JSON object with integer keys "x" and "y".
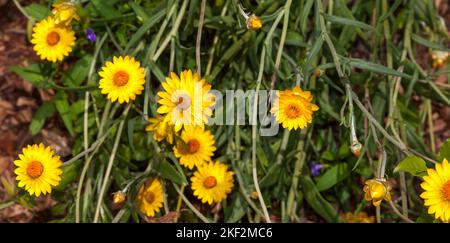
{"x": 315, "y": 168}
{"x": 90, "y": 35}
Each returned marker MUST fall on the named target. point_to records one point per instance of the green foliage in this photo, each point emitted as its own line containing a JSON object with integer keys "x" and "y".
{"x": 367, "y": 49}
{"x": 414, "y": 165}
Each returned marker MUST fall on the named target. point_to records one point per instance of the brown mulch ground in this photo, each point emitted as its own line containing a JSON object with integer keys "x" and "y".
{"x": 19, "y": 100}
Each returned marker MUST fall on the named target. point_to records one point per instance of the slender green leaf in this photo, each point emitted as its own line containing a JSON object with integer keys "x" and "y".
{"x": 429, "y": 44}
{"x": 317, "y": 202}
{"x": 333, "y": 176}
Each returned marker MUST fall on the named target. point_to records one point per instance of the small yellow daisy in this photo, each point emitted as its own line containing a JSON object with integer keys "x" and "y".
{"x": 161, "y": 129}
{"x": 38, "y": 169}
{"x": 377, "y": 190}
{"x": 437, "y": 191}
{"x": 186, "y": 100}
{"x": 293, "y": 108}
{"x": 212, "y": 182}
{"x": 122, "y": 79}
{"x": 150, "y": 197}
{"x": 52, "y": 42}
{"x": 64, "y": 12}
{"x": 195, "y": 147}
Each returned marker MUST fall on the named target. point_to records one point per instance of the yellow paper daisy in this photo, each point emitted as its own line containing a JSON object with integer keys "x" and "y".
{"x": 122, "y": 79}
{"x": 150, "y": 197}
{"x": 38, "y": 169}
{"x": 212, "y": 182}
{"x": 293, "y": 108}
{"x": 377, "y": 190}
{"x": 161, "y": 129}
{"x": 51, "y": 42}
{"x": 437, "y": 191}
{"x": 195, "y": 147}
{"x": 64, "y": 12}
{"x": 186, "y": 100}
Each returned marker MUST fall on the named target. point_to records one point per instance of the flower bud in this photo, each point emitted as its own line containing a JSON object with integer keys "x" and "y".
{"x": 119, "y": 197}
{"x": 254, "y": 22}
{"x": 439, "y": 58}
{"x": 318, "y": 72}
{"x": 356, "y": 148}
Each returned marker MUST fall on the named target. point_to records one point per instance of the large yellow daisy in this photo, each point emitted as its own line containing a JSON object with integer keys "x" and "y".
{"x": 150, "y": 197}
{"x": 52, "y": 42}
{"x": 186, "y": 100}
{"x": 212, "y": 182}
{"x": 122, "y": 79}
{"x": 437, "y": 191}
{"x": 161, "y": 129}
{"x": 293, "y": 108}
{"x": 195, "y": 147}
{"x": 38, "y": 169}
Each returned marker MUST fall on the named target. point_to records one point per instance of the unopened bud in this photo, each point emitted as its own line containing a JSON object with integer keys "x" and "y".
{"x": 254, "y": 22}
{"x": 318, "y": 72}
{"x": 119, "y": 197}
{"x": 356, "y": 148}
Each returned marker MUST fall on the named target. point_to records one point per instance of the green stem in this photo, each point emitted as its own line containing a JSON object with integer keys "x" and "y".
{"x": 23, "y": 10}
{"x": 287, "y": 7}
{"x": 189, "y": 204}
{"x": 173, "y": 32}
{"x": 255, "y": 115}
{"x": 284, "y": 143}
{"x": 199, "y": 37}
{"x": 110, "y": 163}
{"x": 295, "y": 177}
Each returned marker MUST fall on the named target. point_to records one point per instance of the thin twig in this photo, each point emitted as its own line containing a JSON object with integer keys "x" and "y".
{"x": 199, "y": 37}
{"x": 110, "y": 163}
{"x": 189, "y": 204}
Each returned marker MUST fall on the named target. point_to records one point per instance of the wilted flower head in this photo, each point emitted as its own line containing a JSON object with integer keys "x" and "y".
{"x": 439, "y": 58}
{"x": 376, "y": 190}
{"x": 64, "y": 12}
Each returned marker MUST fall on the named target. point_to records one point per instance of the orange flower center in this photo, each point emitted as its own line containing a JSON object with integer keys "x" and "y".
{"x": 193, "y": 146}
{"x": 121, "y": 78}
{"x": 53, "y": 38}
{"x": 149, "y": 197}
{"x": 293, "y": 111}
{"x": 446, "y": 191}
{"x": 35, "y": 169}
{"x": 210, "y": 182}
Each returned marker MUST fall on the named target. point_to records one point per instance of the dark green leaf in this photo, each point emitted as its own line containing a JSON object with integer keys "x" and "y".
{"x": 333, "y": 176}
{"x": 31, "y": 73}
{"x": 167, "y": 171}
{"x": 45, "y": 111}
{"x": 444, "y": 152}
{"x": 414, "y": 165}
{"x": 37, "y": 11}
{"x": 317, "y": 202}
